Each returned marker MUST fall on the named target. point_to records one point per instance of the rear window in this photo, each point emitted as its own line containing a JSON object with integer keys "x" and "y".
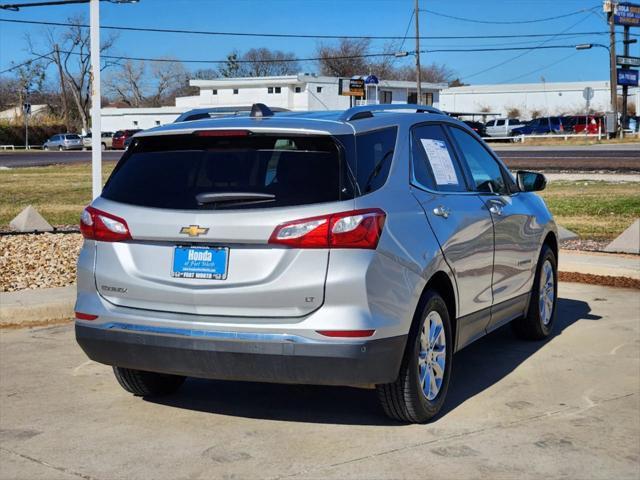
{"x": 170, "y": 171}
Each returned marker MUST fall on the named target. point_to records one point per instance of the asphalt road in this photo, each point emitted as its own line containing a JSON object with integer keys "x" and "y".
{"x": 594, "y": 158}
{"x": 565, "y": 408}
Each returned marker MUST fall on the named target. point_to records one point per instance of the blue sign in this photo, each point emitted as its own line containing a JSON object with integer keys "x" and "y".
{"x": 371, "y": 80}
{"x": 628, "y": 77}
{"x": 200, "y": 262}
{"x": 627, "y": 14}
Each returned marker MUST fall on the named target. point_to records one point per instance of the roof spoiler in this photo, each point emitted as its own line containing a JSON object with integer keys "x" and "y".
{"x": 259, "y": 110}
{"x": 366, "y": 111}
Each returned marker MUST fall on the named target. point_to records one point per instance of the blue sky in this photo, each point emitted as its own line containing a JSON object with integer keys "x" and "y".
{"x": 349, "y": 17}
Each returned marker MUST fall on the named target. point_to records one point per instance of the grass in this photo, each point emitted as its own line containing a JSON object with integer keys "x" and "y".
{"x": 594, "y": 210}
{"x": 58, "y": 192}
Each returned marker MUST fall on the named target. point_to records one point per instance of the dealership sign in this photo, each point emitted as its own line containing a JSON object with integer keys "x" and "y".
{"x": 628, "y": 77}
{"x": 627, "y": 14}
{"x": 353, "y": 87}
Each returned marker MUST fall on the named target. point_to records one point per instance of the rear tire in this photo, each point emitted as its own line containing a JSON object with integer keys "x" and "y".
{"x": 537, "y": 324}
{"x": 147, "y": 383}
{"x": 419, "y": 392}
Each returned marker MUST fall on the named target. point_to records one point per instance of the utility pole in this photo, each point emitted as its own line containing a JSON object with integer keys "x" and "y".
{"x": 613, "y": 81}
{"x": 625, "y": 88}
{"x": 418, "y": 69}
{"x": 63, "y": 87}
{"x": 96, "y": 129}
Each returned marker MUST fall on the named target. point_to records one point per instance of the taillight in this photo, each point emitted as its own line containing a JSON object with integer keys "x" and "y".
{"x": 98, "y": 225}
{"x": 353, "y": 229}
{"x": 85, "y": 316}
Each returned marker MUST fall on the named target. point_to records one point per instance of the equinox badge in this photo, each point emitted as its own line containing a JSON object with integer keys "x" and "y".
{"x": 194, "y": 230}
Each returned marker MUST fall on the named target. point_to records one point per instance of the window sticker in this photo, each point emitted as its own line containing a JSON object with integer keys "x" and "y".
{"x": 440, "y": 160}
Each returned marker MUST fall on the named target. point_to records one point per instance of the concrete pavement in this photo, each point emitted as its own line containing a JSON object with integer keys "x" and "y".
{"x": 565, "y": 408}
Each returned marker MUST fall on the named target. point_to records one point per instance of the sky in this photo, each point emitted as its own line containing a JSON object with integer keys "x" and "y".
{"x": 352, "y": 17}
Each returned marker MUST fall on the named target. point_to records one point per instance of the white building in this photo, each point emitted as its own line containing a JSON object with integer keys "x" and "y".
{"x": 546, "y": 98}
{"x": 294, "y": 92}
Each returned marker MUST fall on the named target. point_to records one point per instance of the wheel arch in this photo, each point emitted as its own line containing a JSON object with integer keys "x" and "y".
{"x": 441, "y": 283}
{"x": 551, "y": 240}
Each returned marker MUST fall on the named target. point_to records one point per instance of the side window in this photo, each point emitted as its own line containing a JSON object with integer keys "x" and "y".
{"x": 433, "y": 160}
{"x": 375, "y": 152}
{"x": 501, "y": 123}
{"x": 485, "y": 171}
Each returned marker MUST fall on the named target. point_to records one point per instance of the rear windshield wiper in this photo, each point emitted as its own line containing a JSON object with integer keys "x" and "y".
{"x": 237, "y": 198}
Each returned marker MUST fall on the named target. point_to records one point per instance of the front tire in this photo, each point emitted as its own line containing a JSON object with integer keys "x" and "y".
{"x": 537, "y": 324}
{"x": 419, "y": 392}
{"x": 147, "y": 383}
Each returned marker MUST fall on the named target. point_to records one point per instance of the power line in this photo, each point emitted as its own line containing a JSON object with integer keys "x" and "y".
{"x": 541, "y": 45}
{"x": 295, "y": 35}
{"x": 541, "y": 68}
{"x": 312, "y": 59}
{"x": 513, "y": 22}
{"x": 25, "y": 63}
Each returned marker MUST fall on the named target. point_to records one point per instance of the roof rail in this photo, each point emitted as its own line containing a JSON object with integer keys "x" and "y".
{"x": 366, "y": 111}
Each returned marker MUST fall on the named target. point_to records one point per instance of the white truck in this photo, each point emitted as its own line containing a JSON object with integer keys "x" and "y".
{"x": 502, "y": 127}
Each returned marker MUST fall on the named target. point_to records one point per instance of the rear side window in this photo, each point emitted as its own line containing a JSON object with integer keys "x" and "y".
{"x": 434, "y": 163}
{"x": 72, "y": 137}
{"x": 374, "y": 155}
{"x": 170, "y": 171}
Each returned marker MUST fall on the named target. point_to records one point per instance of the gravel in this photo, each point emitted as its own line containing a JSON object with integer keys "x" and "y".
{"x": 38, "y": 261}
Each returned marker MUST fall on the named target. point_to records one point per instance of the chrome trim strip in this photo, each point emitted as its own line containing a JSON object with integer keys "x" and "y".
{"x": 210, "y": 334}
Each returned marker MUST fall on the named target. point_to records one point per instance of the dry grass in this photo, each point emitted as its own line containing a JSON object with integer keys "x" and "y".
{"x": 58, "y": 192}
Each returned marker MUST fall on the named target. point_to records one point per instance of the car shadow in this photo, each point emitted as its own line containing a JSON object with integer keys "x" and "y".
{"x": 477, "y": 367}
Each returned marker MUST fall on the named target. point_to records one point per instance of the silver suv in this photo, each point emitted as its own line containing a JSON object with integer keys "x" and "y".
{"x": 64, "y": 141}
{"x": 361, "y": 248}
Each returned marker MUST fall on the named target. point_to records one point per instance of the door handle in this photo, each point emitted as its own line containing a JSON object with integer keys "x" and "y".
{"x": 441, "y": 211}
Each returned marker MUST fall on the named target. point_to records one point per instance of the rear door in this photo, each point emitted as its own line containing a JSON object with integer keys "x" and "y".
{"x": 173, "y": 191}
{"x": 461, "y": 222}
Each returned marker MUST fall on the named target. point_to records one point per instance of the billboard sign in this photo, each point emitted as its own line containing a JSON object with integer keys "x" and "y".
{"x": 627, "y": 77}
{"x": 627, "y": 14}
{"x": 352, "y": 87}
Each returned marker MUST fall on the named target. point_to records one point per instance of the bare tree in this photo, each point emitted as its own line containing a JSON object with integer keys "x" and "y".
{"x": 139, "y": 84}
{"x": 69, "y": 50}
{"x": 434, "y": 73}
{"x": 259, "y": 62}
{"x": 344, "y": 59}
{"x": 28, "y": 78}
{"x": 127, "y": 83}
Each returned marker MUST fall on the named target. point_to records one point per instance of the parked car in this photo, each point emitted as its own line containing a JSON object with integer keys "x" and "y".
{"x": 477, "y": 127}
{"x": 502, "y": 127}
{"x": 540, "y": 126}
{"x": 106, "y": 140}
{"x": 591, "y": 124}
{"x": 121, "y": 136}
{"x": 63, "y": 141}
{"x": 298, "y": 250}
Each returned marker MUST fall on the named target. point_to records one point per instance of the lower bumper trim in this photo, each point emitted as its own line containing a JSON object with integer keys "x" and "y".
{"x": 320, "y": 363}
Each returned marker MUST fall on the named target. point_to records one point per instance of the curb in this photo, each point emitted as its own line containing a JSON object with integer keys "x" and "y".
{"x": 36, "y": 307}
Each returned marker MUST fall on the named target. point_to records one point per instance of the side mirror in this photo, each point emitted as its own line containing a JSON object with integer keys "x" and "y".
{"x": 531, "y": 181}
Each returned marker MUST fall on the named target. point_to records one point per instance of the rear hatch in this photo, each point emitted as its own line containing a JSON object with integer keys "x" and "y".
{"x": 201, "y": 208}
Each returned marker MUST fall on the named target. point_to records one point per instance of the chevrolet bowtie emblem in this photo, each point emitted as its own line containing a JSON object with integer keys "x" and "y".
{"x": 194, "y": 230}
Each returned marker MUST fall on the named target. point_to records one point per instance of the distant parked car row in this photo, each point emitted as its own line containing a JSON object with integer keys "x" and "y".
{"x": 508, "y": 127}
{"x": 73, "y": 141}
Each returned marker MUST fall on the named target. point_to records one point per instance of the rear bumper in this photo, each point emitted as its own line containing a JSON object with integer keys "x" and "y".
{"x": 286, "y": 360}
